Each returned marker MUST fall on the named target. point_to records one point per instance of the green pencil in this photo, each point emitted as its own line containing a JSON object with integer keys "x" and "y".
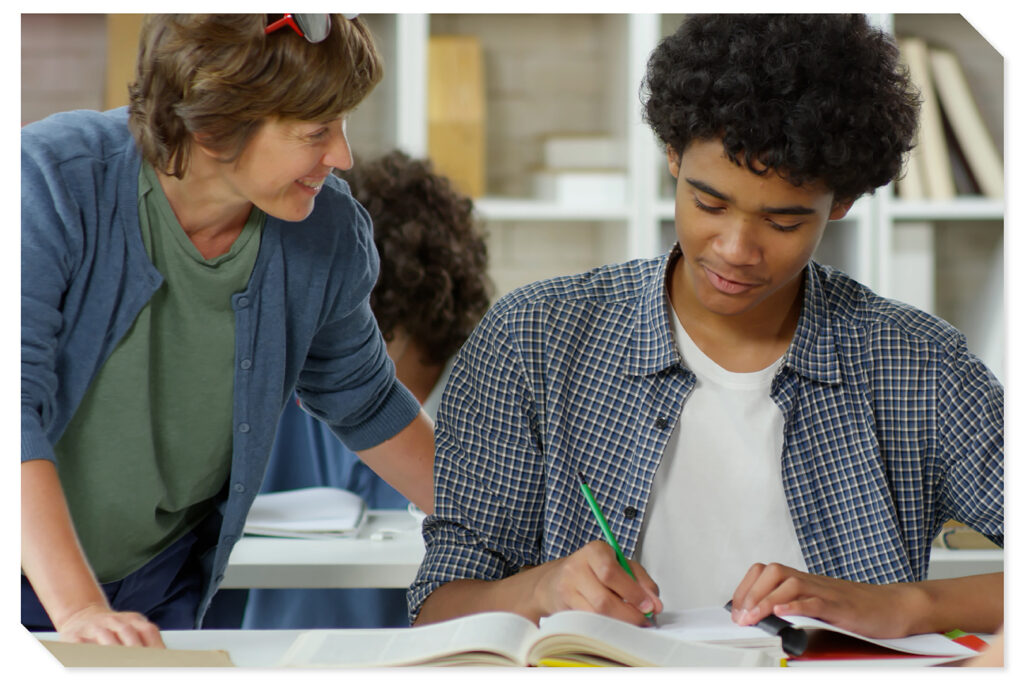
{"x": 609, "y": 537}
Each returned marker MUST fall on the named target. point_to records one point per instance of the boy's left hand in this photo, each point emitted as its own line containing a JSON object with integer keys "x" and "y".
{"x": 876, "y": 610}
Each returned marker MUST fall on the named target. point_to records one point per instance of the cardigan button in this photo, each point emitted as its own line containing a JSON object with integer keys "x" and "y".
{"x": 630, "y": 512}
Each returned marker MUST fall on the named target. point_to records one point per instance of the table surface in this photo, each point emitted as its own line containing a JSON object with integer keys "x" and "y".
{"x": 385, "y": 553}
{"x": 265, "y": 647}
{"x": 388, "y": 549}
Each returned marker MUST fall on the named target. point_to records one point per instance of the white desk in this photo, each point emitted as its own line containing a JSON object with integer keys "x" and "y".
{"x": 265, "y": 648}
{"x": 949, "y": 563}
{"x": 391, "y": 560}
{"x": 385, "y": 554}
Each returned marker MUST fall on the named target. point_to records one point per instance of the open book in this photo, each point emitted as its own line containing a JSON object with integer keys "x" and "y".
{"x": 824, "y": 642}
{"x": 500, "y": 638}
{"x": 310, "y": 512}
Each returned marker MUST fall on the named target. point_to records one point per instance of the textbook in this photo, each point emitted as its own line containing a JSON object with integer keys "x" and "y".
{"x": 96, "y": 655}
{"x": 568, "y": 638}
{"x": 310, "y": 512}
{"x": 824, "y": 641}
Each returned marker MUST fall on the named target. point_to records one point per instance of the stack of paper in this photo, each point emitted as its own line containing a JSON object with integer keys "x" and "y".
{"x": 312, "y": 512}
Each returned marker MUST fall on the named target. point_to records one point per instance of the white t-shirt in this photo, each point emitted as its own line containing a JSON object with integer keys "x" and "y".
{"x": 717, "y": 505}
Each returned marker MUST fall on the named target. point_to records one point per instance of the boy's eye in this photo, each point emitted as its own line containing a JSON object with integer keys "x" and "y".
{"x": 705, "y": 207}
{"x": 784, "y": 228}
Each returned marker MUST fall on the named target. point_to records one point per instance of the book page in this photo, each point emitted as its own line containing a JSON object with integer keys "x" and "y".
{"x": 716, "y": 625}
{"x": 487, "y": 638}
{"x": 567, "y": 634}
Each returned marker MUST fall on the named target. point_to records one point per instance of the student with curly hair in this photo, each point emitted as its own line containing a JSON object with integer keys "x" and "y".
{"x": 431, "y": 292}
{"x": 188, "y": 264}
{"x": 755, "y": 425}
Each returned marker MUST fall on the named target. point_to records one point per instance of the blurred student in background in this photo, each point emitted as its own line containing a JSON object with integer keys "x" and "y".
{"x": 432, "y": 291}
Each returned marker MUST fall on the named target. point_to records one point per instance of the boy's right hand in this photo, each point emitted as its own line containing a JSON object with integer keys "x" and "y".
{"x": 592, "y": 579}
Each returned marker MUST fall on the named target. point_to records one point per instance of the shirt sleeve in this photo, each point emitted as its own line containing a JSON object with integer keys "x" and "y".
{"x": 488, "y": 469}
{"x": 46, "y": 268}
{"x": 347, "y": 379}
{"x": 970, "y": 422}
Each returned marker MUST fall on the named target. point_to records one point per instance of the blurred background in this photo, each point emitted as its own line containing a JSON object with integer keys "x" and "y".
{"x": 538, "y": 118}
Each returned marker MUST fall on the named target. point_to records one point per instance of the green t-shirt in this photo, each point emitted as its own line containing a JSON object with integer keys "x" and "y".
{"x": 150, "y": 446}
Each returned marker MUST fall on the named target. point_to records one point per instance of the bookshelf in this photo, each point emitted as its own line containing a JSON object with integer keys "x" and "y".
{"x": 581, "y": 73}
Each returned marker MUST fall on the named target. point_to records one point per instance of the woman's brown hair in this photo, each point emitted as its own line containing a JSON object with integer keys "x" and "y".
{"x": 219, "y": 77}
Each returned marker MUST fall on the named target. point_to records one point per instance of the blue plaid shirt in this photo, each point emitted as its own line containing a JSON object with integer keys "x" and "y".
{"x": 892, "y": 428}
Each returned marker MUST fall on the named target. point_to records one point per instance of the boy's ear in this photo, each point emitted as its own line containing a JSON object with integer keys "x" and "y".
{"x": 673, "y": 162}
{"x": 840, "y": 209}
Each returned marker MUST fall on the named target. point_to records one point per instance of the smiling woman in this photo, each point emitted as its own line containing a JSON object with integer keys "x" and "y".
{"x": 188, "y": 263}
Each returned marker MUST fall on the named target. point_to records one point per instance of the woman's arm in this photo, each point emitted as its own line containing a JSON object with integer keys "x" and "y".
{"x": 406, "y": 461}
{"x": 54, "y": 563}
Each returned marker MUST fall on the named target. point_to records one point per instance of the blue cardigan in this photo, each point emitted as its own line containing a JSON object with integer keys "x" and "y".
{"x": 303, "y": 323}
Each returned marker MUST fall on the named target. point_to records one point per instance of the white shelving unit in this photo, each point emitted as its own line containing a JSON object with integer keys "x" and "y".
{"x": 944, "y": 256}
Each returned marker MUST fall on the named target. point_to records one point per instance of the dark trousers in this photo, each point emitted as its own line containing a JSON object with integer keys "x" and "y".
{"x": 166, "y": 590}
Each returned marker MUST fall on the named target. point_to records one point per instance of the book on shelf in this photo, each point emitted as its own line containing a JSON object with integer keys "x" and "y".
{"x": 309, "y": 513}
{"x": 930, "y": 173}
{"x": 964, "y": 117}
{"x": 586, "y": 186}
{"x": 582, "y": 150}
{"x": 457, "y": 110}
{"x": 505, "y": 639}
{"x": 955, "y": 153}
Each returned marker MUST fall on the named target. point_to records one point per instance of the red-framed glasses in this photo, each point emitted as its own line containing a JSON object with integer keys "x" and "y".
{"x": 312, "y": 27}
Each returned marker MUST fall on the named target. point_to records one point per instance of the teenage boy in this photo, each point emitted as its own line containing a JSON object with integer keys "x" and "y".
{"x": 755, "y": 426}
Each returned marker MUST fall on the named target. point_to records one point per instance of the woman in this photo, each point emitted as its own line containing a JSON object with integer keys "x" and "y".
{"x": 187, "y": 264}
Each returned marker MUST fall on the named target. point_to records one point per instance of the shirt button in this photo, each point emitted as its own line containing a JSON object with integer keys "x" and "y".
{"x": 239, "y": 487}
{"x": 243, "y": 302}
{"x": 243, "y": 428}
{"x": 661, "y": 423}
{"x": 246, "y": 363}
{"x": 630, "y": 512}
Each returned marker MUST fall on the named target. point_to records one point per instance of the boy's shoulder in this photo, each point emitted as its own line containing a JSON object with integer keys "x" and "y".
{"x": 608, "y": 285}
{"x": 853, "y": 306}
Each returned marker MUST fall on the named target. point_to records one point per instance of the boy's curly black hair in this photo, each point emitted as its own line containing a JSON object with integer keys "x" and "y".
{"x": 433, "y": 259}
{"x": 812, "y": 97}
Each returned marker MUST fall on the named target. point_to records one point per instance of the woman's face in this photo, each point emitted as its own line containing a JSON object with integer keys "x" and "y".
{"x": 284, "y": 165}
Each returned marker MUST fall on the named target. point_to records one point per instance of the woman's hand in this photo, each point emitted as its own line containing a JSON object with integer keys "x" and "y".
{"x": 100, "y": 624}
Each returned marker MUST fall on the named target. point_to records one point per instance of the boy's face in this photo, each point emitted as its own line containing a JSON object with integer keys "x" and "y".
{"x": 745, "y": 238}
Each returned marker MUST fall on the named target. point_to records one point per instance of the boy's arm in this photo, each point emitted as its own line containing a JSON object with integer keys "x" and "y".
{"x": 590, "y": 579}
{"x": 53, "y": 562}
{"x": 972, "y": 603}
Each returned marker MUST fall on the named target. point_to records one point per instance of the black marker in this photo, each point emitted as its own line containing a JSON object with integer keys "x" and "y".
{"x": 794, "y": 641}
